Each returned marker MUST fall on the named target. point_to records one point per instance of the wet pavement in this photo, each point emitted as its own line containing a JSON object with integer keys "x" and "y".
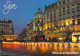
{"x": 21, "y": 49}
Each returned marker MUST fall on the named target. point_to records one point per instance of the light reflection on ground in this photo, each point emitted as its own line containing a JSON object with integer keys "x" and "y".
{"x": 42, "y": 47}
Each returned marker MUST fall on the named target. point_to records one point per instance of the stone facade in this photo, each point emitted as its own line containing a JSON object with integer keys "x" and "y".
{"x": 6, "y": 27}
{"x": 60, "y": 19}
{"x": 34, "y": 28}
{"x": 58, "y": 22}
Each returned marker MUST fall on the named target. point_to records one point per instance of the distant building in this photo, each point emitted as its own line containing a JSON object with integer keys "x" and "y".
{"x": 10, "y": 37}
{"x": 27, "y": 32}
{"x": 34, "y": 29}
{"x": 23, "y": 35}
{"x": 6, "y": 27}
{"x": 7, "y": 31}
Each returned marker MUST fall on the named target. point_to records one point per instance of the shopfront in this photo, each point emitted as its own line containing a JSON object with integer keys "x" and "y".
{"x": 76, "y": 37}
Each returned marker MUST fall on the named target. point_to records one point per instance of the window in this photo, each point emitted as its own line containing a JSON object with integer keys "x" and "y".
{"x": 68, "y": 17}
{"x": 38, "y": 21}
{"x": 63, "y": 8}
{"x": 49, "y": 7}
{"x": 51, "y": 26}
{"x": 64, "y": 14}
{"x": 47, "y": 32}
{"x": 78, "y": 21}
{"x": 50, "y": 19}
{"x": 52, "y": 6}
{"x": 60, "y": 15}
{"x": 38, "y": 29}
{"x": 73, "y": 16}
{"x": 73, "y": 22}
{"x": 54, "y": 16}
{"x": 73, "y": 7}
{"x": 55, "y": 4}
{"x": 47, "y": 14}
{"x": 60, "y": 10}
{"x": 54, "y": 12}
{"x": 63, "y": 18}
{"x": 64, "y": 24}
{"x": 78, "y": 13}
{"x": 73, "y": 11}
{"x": 68, "y": 12}
{"x": 54, "y": 19}
{"x": 59, "y": 3}
{"x": 63, "y": 2}
{"x": 60, "y": 24}
{"x": 48, "y": 26}
{"x": 68, "y": 8}
{"x": 50, "y": 13}
{"x": 78, "y": 5}
{"x": 60, "y": 19}
{"x": 78, "y": 16}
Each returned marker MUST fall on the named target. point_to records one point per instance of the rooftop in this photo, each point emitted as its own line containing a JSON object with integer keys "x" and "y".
{"x": 39, "y": 11}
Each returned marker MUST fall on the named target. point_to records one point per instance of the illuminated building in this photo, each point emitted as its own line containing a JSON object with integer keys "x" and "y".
{"x": 62, "y": 19}
{"x": 7, "y": 31}
{"x": 30, "y": 33}
{"x": 59, "y": 22}
{"x": 34, "y": 29}
{"x": 39, "y": 23}
{"x": 10, "y": 37}
{"x": 6, "y": 27}
{"x": 27, "y": 32}
{"x": 23, "y": 34}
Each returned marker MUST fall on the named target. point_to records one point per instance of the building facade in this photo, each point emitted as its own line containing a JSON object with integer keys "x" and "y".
{"x": 6, "y": 27}
{"x": 59, "y": 22}
{"x": 27, "y": 33}
{"x": 34, "y": 28}
{"x": 62, "y": 9}
{"x": 39, "y": 23}
{"x": 23, "y": 34}
{"x": 10, "y": 37}
{"x": 7, "y": 31}
{"x": 62, "y": 19}
{"x": 30, "y": 32}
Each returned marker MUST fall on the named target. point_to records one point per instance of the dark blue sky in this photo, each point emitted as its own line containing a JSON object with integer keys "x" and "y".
{"x": 24, "y": 13}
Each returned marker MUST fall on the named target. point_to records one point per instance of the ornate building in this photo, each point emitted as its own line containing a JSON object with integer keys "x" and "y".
{"x": 34, "y": 28}
{"x": 39, "y": 23}
{"x": 59, "y": 22}
{"x": 62, "y": 19}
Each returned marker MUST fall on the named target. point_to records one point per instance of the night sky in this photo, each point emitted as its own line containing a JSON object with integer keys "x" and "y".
{"x": 24, "y": 13}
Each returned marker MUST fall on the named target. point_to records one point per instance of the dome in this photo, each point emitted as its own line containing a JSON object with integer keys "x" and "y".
{"x": 39, "y": 11}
